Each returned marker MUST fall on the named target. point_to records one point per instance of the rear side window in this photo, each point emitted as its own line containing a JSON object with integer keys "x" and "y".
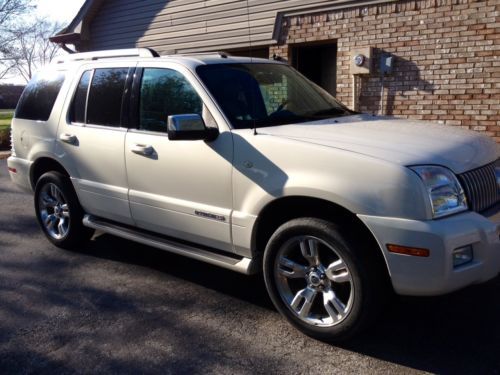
{"x": 105, "y": 96}
{"x": 78, "y": 107}
{"x": 39, "y": 96}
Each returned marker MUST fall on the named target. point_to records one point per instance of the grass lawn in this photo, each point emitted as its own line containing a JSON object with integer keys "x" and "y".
{"x": 5, "y": 118}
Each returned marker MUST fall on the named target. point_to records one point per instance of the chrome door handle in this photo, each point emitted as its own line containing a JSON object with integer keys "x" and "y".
{"x": 145, "y": 150}
{"x": 68, "y": 138}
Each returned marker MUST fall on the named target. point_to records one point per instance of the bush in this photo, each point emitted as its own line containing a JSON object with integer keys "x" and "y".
{"x": 4, "y": 137}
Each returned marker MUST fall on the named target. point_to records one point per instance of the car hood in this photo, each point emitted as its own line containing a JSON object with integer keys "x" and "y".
{"x": 396, "y": 140}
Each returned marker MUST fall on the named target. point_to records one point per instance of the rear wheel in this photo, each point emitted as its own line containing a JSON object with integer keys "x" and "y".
{"x": 58, "y": 211}
{"x": 325, "y": 284}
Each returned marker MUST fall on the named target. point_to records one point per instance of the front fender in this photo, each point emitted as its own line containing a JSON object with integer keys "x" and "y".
{"x": 267, "y": 168}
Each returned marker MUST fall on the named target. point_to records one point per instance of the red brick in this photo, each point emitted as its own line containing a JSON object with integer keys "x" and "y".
{"x": 446, "y": 67}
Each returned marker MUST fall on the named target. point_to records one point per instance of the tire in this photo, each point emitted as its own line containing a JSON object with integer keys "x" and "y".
{"x": 59, "y": 213}
{"x": 327, "y": 285}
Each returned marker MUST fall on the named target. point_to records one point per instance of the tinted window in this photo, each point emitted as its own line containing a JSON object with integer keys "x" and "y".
{"x": 39, "y": 96}
{"x": 77, "y": 113}
{"x": 105, "y": 96}
{"x": 165, "y": 92}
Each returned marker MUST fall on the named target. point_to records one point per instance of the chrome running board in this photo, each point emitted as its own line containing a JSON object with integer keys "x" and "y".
{"x": 233, "y": 263}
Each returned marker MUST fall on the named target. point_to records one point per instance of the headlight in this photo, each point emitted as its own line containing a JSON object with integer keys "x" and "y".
{"x": 445, "y": 192}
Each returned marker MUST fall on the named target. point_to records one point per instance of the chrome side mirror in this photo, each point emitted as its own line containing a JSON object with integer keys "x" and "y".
{"x": 189, "y": 127}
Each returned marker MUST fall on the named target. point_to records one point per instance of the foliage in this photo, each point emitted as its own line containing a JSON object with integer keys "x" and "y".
{"x": 5, "y": 119}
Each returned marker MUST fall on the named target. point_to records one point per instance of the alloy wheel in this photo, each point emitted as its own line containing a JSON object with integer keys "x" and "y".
{"x": 314, "y": 281}
{"x": 54, "y": 211}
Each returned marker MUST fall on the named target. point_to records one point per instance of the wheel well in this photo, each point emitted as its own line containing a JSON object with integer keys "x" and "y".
{"x": 44, "y": 165}
{"x": 285, "y": 209}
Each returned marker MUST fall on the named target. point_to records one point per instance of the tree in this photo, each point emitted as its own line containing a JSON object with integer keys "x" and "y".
{"x": 11, "y": 14}
{"x": 32, "y": 48}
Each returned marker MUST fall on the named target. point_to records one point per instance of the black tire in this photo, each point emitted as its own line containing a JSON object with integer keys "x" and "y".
{"x": 356, "y": 276}
{"x": 56, "y": 203}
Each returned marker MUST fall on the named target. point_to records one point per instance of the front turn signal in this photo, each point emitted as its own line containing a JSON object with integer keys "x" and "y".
{"x": 413, "y": 251}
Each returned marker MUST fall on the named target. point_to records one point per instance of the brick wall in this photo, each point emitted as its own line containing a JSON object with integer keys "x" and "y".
{"x": 447, "y": 57}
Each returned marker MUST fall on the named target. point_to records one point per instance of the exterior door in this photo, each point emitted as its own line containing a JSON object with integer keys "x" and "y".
{"x": 91, "y": 140}
{"x": 177, "y": 188}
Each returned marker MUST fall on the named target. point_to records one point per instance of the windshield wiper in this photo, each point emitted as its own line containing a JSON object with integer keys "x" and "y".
{"x": 330, "y": 111}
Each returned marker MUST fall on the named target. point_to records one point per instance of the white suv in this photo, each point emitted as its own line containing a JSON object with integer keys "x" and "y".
{"x": 245, "y": 164}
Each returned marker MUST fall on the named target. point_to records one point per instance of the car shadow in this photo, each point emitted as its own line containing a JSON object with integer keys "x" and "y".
{"x": 248, "y": 288}
{"x": 456, "y": 333}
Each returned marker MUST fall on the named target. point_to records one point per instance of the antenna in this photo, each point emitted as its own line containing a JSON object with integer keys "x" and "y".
{"x": 249, "y": 31}
{"x": 250, "y": 55}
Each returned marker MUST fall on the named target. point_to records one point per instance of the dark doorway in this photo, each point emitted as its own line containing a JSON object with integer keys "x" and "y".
{"x": 318, "y": 62}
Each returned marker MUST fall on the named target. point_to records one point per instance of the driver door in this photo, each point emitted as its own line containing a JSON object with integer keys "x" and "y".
{"x": 177, "y": 188}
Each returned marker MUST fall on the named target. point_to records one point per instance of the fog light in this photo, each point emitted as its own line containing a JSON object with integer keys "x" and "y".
{"x": 462, "y": 255}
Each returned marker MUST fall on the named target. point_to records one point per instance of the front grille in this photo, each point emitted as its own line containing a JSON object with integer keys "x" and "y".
{"x": 481, "y": 188}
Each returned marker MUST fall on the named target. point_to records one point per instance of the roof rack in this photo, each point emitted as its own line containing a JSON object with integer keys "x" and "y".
{"x": 222, "y": 54}
{"x": 116, "y": 53}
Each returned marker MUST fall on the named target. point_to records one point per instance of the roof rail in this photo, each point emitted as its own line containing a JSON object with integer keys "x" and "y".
{"x": 116, "y": 53}
{"x": 222, "y": 54}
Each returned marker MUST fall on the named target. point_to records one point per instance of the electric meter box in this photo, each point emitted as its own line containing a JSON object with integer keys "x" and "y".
{"x": 361, "y": 60}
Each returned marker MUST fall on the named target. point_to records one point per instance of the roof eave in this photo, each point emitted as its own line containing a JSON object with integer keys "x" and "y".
{"x": 70, "y": 38}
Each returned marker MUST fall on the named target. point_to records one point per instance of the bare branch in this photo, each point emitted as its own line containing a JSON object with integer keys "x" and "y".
{"x": 32, "y": 48}
{"x": 11, "y": 16}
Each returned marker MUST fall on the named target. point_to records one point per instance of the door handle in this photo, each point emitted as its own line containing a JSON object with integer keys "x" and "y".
{"x": 145, "y": 150}
{"x": 68, "y": 138}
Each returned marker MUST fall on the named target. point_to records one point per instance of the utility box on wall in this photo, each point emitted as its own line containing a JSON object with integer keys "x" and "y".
{"x": 361, "y": 61}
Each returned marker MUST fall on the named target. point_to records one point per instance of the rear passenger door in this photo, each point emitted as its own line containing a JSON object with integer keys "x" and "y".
{"x": 91, "y": 140}
{"x": 182, "y": 188}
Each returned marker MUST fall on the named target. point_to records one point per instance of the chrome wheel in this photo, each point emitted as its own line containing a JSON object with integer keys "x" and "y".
{"x": 314, "y": 281}
{"x": 54, "y": 211}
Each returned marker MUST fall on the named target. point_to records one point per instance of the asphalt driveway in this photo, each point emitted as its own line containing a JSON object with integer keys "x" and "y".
{"x": 120, "y": 307}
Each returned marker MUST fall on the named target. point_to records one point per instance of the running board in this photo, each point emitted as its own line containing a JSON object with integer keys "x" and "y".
{"x": 233, "y": 263}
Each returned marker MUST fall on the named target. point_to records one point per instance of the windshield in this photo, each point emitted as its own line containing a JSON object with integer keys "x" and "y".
{"x": 257, "y": 95}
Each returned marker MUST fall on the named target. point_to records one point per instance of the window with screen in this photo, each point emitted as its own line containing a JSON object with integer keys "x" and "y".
{"x": 165, "y": 92}
{"x": 39, "y": 96}
{"x": 77, "y": 111}
{"x": 105, "y": 96}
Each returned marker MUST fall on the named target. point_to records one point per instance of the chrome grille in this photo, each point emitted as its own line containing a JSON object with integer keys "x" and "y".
{"x": 481, "y": 188}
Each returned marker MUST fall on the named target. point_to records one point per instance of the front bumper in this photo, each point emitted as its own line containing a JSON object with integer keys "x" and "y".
{"x": 434, "y": 275}
{"x": 22, "y": 175}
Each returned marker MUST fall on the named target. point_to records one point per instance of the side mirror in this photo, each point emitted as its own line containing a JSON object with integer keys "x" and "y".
{"x": 190, "y": 127}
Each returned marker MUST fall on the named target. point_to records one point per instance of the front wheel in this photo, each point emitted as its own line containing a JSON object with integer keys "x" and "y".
{"x": 58, "y": 211}
{"x": 325, "y": 284}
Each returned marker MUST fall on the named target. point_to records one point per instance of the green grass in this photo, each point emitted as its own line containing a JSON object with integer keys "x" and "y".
{"x": 5, "y": 118}
{"x": 6, "y": 113}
